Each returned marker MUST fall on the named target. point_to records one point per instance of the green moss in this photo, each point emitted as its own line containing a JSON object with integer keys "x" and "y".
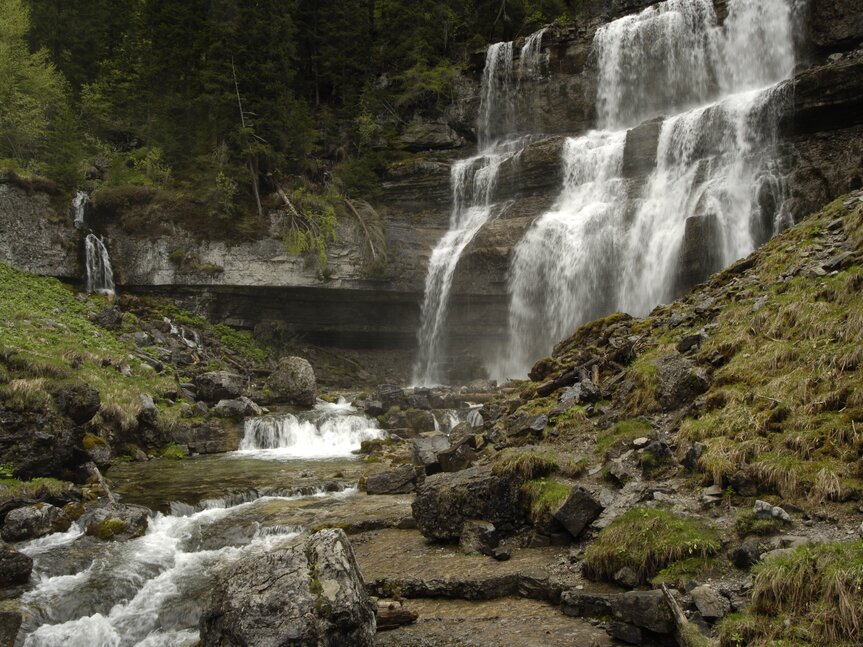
{"x": 92, "y": 441}
{"x": 679, "y": 573}
{"x": 809, "y": 596}
{"x": 624, "y": 431}
{"x": 747, "y": 524}
{"x": 648, "y": 540}
{"x": 546, "y": 496}
{"x": 173, "y": 451}
{"x": 108, "y": 529}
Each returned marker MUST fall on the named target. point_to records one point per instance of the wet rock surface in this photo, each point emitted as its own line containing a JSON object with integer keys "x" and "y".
{"x": 15, "y": 567}
{"x": 445, "y": 501}
{"x": 309, "y": 592}
{"x": 30, "y": 522}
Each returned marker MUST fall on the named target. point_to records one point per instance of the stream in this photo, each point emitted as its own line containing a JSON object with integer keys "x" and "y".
{"x": 291, "y": 471}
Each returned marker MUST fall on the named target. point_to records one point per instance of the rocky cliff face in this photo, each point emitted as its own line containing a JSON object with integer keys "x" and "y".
{"x": 250, "y": 283}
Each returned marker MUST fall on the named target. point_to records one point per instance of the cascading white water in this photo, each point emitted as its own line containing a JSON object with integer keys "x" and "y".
{"x": 79, "y": 209}
{"x": 147, "y": 591}
{"x": 472, "y": 182}
{"x": 100, "y": 276}
{"x": 606, "y": 247}
{"x": 329, "y": 430}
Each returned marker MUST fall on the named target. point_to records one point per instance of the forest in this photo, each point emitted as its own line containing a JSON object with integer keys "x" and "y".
{"x": 226, "y": 103}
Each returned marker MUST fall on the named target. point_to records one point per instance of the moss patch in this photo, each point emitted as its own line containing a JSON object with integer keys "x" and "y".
{"x": 546, "y": 496}
{"x": 648, "y": 540}
{"x": 624, "y": 431}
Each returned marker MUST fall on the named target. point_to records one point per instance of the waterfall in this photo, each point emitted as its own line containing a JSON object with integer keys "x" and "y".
{"x": 329, "y": 430}
{"x": 100, "y": 276}
{"x": 472, "y": 182}
{"x": 714, "y": 194}
{"x": 79, "y": 209}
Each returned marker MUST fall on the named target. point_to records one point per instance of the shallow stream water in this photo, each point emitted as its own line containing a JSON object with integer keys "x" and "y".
{"x": 209, "y": 510}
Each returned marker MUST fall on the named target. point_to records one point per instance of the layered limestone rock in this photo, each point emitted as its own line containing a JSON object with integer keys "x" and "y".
{"x": 258, "y": 283}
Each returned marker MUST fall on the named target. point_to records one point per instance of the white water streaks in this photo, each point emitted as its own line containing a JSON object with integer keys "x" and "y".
{"x": 100, "y": 276}
{"x": 611, "y": 243}
{"x": 79, "y": 209}
{"x": 147, "y": 591}
{"x": 472, "y": 183}
{"x": 328, "y": 431}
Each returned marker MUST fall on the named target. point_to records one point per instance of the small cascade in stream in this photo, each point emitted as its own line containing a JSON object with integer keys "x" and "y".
{"x": 147, "y": 591}
{"x": 472, "y": 183}
{"x": 100, "y": 276}
{"x": 329, "y": 430}
{"x": 715, "y": 193}
{"x": 80, "y": 204}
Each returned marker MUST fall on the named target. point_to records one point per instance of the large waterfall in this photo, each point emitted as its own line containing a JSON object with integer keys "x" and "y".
{"x": 472, "y": 182}
{"x": 100, "y": 276}
{"x": 611, "y": 243}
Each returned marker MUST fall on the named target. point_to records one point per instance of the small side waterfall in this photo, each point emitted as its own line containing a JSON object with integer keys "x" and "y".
{"x": 714, "y": 194}
{"x": 79, "y": 209}
{"x": 329, "y": 430}
{"x": 472, "y": 182}
{"x": 100, "y": 276}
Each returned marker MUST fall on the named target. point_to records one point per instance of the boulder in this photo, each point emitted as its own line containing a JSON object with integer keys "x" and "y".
{"x": 711, "y": 604}
{"x": 680, "y": 381}
{"x": 32, "y": 521}
{"x": 15, "y": 567}
{"x": 116, "y": 521}
{"x": 77, "y": 400}
{"x": 305, "y": 593}
{"x": 219, "y": 385}
{"x": 581, "y": 393}
{"x": 426, "y": 449}
{"x": 400, "y": 480}
{"x": 579, "y": 511}
{"x": 110, "y": 318}
{"x": 458, "y": 456}
{"x": 237, "y": 409}
{"x": 836, "y": 24}
{"x": 293, "y": 381}
{"x": 645, "y": 609}
{"x": 444, "y": 502}
{"x": 478, "y": 537}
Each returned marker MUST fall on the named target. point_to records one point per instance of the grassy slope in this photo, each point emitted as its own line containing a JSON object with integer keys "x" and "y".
{"x": 784, "y": 411}
{"x": 47, "y": 336}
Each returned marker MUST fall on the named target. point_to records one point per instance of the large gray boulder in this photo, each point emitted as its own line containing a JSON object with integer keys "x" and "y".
{"x": 645, "y": 609}
{"x": 293, "y": 381}
{"x": 77, "y": 400}
{"x": 445, "y": 501}
{"x": 219, "y": 385}
{"x": 116, "y": 521}
{"x": 32, "y": 521}
{"x": 308, "y": 592}
{"x": 399, "y": 480}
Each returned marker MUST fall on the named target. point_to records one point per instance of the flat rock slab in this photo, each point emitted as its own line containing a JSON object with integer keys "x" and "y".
{"x": 508, "y": 622}
{"x": 403, "y": 562}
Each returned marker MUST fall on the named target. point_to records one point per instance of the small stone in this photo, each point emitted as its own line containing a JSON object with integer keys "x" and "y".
{"x": 640, "y": 443}
{"x": 626, "y": 577}
{"x": 764, "y": 510}
{"x": 689, "y": 342}
{"x": 501, "y": 553}
{"x": 711, "y": 604}
{"x": 478, "y": 536}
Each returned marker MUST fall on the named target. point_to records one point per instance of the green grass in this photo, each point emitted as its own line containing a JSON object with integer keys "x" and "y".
{"x": 785, "y": 406}
{"x": 747, "y": 524}
{"x": 533, "y": 463}
{"x": 647, "y": 540}
{"x": 812, "y": 596}
{"x": 624, "y": 431}
{"x": 546, "y": 496}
